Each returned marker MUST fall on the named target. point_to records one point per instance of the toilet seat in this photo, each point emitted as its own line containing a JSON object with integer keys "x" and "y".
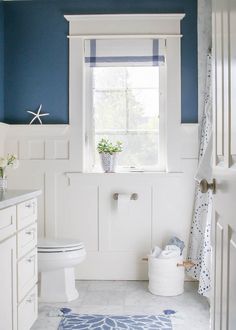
{"x": 51, "y": 245}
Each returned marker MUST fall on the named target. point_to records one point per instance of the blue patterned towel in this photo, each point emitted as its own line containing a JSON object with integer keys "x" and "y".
{"x": 176, "y": 241}
{"x": 72, "y": 321}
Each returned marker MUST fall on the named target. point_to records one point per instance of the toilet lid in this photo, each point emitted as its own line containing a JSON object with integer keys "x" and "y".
{"x": 57, "y": 245}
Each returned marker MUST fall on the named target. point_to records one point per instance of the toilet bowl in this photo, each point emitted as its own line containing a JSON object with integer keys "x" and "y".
{"x": 56, "y": 261}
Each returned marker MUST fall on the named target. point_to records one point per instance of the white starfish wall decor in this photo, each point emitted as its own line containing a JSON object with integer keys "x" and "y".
{"x": 37, "y": 115}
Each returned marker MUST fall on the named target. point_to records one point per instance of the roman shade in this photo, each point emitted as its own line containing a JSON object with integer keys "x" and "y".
{"x": 124, "y": 52}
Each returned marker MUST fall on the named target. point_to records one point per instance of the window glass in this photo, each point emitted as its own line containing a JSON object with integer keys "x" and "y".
{"x": 109, "y": 78}
{"x": 109, "y": 109}
{"x": 143, "y": 109}
{"x": 146, "y": 77}
{"x": 125, "y": 105}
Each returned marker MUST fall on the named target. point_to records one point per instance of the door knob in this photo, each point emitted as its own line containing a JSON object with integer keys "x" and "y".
{"x": 204, "y": 186}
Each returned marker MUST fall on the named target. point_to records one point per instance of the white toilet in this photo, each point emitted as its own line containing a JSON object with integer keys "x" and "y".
{"x": 56, "y": 261}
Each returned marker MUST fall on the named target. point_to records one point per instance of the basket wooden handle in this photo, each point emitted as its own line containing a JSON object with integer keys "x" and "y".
{"x": 186, "y": 264}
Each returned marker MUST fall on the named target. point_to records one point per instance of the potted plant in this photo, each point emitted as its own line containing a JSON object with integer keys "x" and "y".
{"x": 5, "y": 162}
{"x": 108, "y": 153}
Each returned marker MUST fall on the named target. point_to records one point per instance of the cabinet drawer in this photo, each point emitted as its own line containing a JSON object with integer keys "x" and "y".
{"x": 7, "y": 222}
{"x": 26, "y": 240}
{"x": 26, "y": 213}
{"x": 28, "y": 310}
{"x": 27, "y": 273}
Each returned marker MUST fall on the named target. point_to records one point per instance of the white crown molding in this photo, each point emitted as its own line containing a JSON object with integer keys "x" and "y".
{"x": 102, "y": 17}
{"x": 129, "y": 25}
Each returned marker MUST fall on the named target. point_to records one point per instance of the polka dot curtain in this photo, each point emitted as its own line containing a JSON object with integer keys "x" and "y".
{"x": 200, "y": 240}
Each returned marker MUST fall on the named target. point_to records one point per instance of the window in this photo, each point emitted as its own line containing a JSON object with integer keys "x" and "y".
{"x": 85, "y": 63}
{"x": 125, "y": 103}
{"x": 126, "y": 108}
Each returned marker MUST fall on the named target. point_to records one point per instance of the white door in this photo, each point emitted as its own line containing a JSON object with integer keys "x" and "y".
{"x": 224, "y": 165}
{"x": 8, "y": 284}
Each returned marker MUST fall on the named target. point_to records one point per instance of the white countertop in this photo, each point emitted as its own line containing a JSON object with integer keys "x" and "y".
{"x": 12, "y": 197}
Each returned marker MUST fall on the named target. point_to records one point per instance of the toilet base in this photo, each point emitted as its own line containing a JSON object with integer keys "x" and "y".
{"x": 57, "y": 286}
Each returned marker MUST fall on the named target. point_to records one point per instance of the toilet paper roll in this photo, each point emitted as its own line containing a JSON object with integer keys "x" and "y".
{"x": 123, "y": 202}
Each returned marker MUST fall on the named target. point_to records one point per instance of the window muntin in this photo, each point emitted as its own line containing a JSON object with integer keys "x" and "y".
{"x": 125, "y": 106}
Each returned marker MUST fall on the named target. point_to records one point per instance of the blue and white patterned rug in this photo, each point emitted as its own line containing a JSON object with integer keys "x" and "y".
{"x": 72, "y": 321}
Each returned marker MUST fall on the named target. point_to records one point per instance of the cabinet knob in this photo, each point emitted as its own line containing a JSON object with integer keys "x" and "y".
{"x": 30, "y": 232}
{"x": 30, "y": 299}
{"x": 28, "y": 205}
{"x": 30, "y": 259}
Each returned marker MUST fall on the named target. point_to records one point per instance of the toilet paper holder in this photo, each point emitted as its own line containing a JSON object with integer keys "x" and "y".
{"x": 133, "y": 196}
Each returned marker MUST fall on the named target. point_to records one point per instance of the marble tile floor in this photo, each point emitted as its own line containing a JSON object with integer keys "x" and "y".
{"x": 130, "y": 297}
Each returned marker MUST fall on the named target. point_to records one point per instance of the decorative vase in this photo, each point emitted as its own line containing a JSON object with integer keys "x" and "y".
{"x": 3, "y": 184}
{"x": 108, "y": 162}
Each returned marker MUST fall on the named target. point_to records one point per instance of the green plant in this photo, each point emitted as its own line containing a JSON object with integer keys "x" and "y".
{"x": 106, "y": 146}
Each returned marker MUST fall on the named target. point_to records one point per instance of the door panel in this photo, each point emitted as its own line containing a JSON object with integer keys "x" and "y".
{"x": 232, "y": 37}
{"x": 219, "y": 88}
{"x": 232, "y": 279}
{"x": 224, "y": 250}
{"x": 219, "y": 232}
{"x": 224, "y": 169}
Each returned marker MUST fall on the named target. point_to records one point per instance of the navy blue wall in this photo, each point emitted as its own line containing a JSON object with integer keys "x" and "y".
{"x": 36, "y": 52}
{"x": 1, "y": 62}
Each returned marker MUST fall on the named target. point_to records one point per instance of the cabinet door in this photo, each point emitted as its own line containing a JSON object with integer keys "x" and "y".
{"x": 8, "y": 305}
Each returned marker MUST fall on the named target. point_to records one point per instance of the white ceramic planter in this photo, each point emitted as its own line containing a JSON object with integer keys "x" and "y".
{"x": 3, "y": 184}
{"x": 108, "y": 162}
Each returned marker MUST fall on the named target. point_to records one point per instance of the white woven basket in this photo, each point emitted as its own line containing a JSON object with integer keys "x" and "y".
{"x": 166, "y": 278}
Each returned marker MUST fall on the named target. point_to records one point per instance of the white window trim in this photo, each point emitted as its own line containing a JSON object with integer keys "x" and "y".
{"x": 144, "y": 25}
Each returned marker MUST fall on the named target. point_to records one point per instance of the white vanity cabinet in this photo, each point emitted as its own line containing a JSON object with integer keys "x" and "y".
{"x": 18, "y": 260}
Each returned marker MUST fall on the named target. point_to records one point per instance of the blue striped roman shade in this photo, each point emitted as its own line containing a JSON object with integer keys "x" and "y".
{"x": 124, "y": 52}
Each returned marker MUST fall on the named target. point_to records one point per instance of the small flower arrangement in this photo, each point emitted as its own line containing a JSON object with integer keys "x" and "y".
{"x": 106, "y": 147}
{"x": 6, "y": 162}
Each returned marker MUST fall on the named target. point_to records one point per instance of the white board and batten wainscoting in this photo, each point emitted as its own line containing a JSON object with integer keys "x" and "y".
{"x": 80, "y": 205}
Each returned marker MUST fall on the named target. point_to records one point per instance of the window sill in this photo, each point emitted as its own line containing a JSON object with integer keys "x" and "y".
{"x": 126, "y": 173}
{"x": 126, "y": 169}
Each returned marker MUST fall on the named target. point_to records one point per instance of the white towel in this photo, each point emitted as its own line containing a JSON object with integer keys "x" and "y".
{"x": 172, "y": 247}
{"x": 171, "y": 251}
{"x": 155, "y": 252}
